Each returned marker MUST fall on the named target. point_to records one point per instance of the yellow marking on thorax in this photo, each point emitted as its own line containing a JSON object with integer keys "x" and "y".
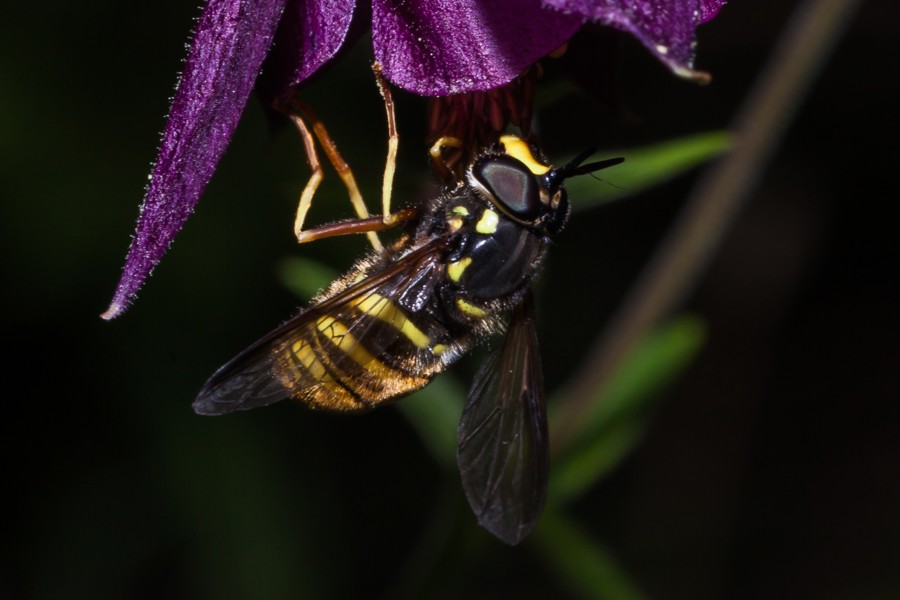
{"x": 487, "y": 224}
{"x": 439, "y": 349}
{"x": 457, "y": 220}
{"x": 470, "y": 309}
{"x": 383, "y": 309}
{"x": 456, "y": 269}
{"x": 520, "y": 150}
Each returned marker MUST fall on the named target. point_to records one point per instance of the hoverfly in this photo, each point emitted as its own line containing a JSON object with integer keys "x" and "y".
{"x": 460, "y": 272}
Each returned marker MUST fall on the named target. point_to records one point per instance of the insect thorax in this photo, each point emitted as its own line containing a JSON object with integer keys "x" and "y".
{"x": 491, "y": 258}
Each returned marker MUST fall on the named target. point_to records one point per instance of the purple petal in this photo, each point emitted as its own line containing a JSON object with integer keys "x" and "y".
{"x": 310, "y": 34}
{"x": 229, "y": 45}
{"x": 666, "y": 27}
{"x": 709, "y": 9}
{"x": 442, "y": 47}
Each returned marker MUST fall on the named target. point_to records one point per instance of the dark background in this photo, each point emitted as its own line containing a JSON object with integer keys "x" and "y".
{"x": 771, "y": 469}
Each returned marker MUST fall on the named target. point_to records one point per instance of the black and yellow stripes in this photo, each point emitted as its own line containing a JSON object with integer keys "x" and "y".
{"x": 401, "y": 315}
{"x": 364, "y": 353}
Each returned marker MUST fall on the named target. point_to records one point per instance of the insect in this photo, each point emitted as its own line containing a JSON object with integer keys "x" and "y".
{"x": 402, "y": 314}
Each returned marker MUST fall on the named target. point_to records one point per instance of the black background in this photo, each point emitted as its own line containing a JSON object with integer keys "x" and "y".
{"x": 771, "y": 469}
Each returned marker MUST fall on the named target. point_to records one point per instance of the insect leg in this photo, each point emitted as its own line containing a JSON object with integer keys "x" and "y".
{"x": 312, "y": 158}
{"x": 335, "y": 158}
{"x": 445, "y": 171}
{"x": 390, "y": 165}
{"x": 367, "y": 225}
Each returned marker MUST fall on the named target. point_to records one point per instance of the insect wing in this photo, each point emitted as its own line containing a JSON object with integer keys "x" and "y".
{"x": 351, "y": 351}
{"x": 502, "y": 451}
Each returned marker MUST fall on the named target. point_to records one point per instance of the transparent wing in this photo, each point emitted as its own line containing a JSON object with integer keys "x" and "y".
{"x": 365, "y": 345}
{"x": 502, "y": 438}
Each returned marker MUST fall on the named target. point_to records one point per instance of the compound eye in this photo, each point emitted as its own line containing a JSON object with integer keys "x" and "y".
{"x": 509, "y": 184}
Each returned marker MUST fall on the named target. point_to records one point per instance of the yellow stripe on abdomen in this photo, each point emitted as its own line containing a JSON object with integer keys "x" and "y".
{"x": 383, "y": 309}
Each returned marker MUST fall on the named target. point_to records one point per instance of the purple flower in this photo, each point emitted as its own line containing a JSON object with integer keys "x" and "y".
{"x": 429, "y": 47}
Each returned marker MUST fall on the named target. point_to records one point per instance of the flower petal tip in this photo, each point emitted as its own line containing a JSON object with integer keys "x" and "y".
{"x": 115, "y": 309}
{"x": 701, "y": 77}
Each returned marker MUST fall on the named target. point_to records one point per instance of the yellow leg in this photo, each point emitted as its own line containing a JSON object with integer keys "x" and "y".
{"x": 437, "y": 155}
{"x": 315, "y": 179}
{"x": 340, "y": 165}
{"x": 390, "y": 166}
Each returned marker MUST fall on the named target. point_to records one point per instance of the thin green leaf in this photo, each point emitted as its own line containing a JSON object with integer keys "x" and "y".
{"x": 305, "y": 276}
{"x": 579, "y": 470}
{"x": 654, "y": 363}
{"x": 584, "y": 566}
{"x": 618, "y": 415}
{"x": 434, "y": 413}
{"x": 646, "y": 167}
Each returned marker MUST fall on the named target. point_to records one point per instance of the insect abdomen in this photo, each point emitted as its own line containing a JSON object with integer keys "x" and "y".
{"x": 369, "y": 354}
